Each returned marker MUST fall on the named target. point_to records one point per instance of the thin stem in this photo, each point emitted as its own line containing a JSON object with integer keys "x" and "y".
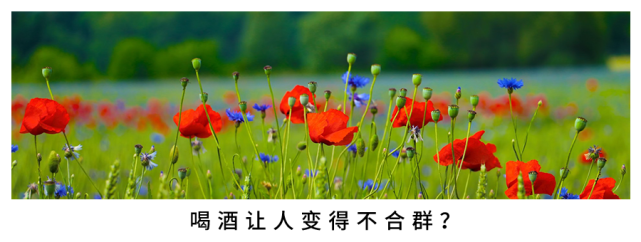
{"x": 200, "y": 184}
{"x": 349, "y": 69}
{"x": 309, "y": 156}
{"x": 182, "y": 98}
{"x": 438, "y": 159}
{"x": 594, "y": 185}
{"x": 589, "y": 171}
{"x": 528, "y": 130}
{"x": 271, "y": 92}
{"x": 40, "y": 185}
{"x": 467, "y": 137}
{"x": 514, "y": 123}
{"x": 556, "y": 193}
{"x": 142, "y": 175}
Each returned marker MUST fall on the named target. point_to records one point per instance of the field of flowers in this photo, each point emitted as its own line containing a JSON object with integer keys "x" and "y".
{"x": 526, "y": 134}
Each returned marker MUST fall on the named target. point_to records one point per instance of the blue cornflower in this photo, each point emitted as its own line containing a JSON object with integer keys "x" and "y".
{"x": 355, "y": 80}
{"x": 14, "y": 148}
{"x": 197, "y": 147}
{"x": 157, "y": 138}
{"x": 415, "y": 134}
{"x": 564, "y": 194}
{"x": 396, "y": 153}
{"x": 261, "y": 108}
{"x": 351, "y": 148}
{"x": 65, "y": 148}
{"x": 61, "y": 190}
{"x": 368, "y": 185}
{"x": 96, "y": 196}
{"x": 309, "y": 174}
{"x": 511, "y": 83}
{"x": 146, "y": 160}
{"x": 268, "y": 159}
{"x": 237, "y": 116}
{"x": 359, "y": 99}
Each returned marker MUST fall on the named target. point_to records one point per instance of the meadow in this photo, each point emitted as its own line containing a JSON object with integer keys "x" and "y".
{"x": 109, "y": 118}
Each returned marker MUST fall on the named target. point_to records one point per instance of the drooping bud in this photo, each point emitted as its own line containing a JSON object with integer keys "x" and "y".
{"x": 312, "y": 87}
{"x": 243, "y": 106}
{"x": 291, "y": 101}
{"x": 436, "y": 115}
{"x": 182, "y": 173}
{"x": 373, "y": 110}
{"x": 532, "y": 175}
{"x": 235, "y": 75}
{"x": 580, "y": 123}
{"x": 268, "y": 70}
{"x": 410, "y": 151}
{"x": 470, "y": 115}
{"x": 376, "y": 69}
{"x": 400, "y": 102}
{"x": 360, "y": 147}
{"x": 301, "y": 146}
{"x": 403, "y": 92}
{"x": 196, "y": 63}
{"x": 474, "y": 100}
{"x": 138, "y": 149}
{"x": 54, "y": 162}
{"x": 564, "y": 172}
{"x": 452, "y": 110}
{"x": 304, "y": 99}
{"x": 173, "y": 153}
{"x": 204, "y": 97}
{"x": 328, "y": 94}
{"x": 373, "y": 142}
{"x": 417, "y": 79}
{"x": 392, "y": 93}
{"x": 351, "y": 58}
{"x": 427, "y": 93}
{"x": 601, "y": 162}
{"x": 458, "y": 93}
{"x": 46, "y": 72}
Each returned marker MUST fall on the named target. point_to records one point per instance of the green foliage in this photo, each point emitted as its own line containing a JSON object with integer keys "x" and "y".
{"x": 268, "y": 38}
{"x": 65, "y": 66}
{"x": 131, "y": 58}
{"x": 174, "y": 61}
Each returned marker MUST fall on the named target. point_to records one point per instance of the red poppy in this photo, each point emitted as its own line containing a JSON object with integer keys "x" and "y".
{"x": 585, "y": 157}
{"x": 193, "y": 123}
{"x": 603, "y": 189}
{"x": 501, "y": 105}
{"x": 297, "y": 110}
{"x": 330, "y": 128}
{"x": 44, "y": 116}
{"x": 477, "y": 153}
{"x": 17, "y": 107}
{"x": 544, "y": 183}
{"x": 416, "y": 118}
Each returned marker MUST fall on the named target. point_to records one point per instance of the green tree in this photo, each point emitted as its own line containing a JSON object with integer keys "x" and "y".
{"x": 268, "y": 38}
{"x": 131, "y": 58}
{"x": 175, "y": 60}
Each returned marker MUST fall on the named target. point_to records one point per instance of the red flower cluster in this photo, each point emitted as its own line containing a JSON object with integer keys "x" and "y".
{"x": 44, "y": 116}
{"x": 416, "y": 118}
{"x": 477, "y": 153}
{"x": 330, "y": 128}
{"x": 194, "y": 123}
{"x": 603, "y": 189}
{"x": 297, "y": 110}
{"x": 544, "y": 183}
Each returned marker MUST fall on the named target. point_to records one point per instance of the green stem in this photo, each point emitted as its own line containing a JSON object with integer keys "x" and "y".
{"x": 438, "y": 159}
{"x": 516, "y": 137}
{"x": 589, "y": 171}
{"x": 558, "y": 188}
{"x": 40, "y": 185}
{"x": 594, "y": 185}
{"x": 349, "y": 69}
{"x": 528, "y": 130}
{"x": 271, "y": 92}
{"x": 200, "y": 184}
{"x": 467, "y": 137}
{"x": 182, "y": 98}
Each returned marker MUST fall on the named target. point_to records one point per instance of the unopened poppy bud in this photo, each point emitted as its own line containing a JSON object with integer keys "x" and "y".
{"x": 360, "y": 147}
{"x": 452, "y": 110}
{"x": 174, "y": 154}
{"x": 601, "y": 162}
{"x": 54, "y": 162}
{"x": 373, "y": 142}
{"x": 400, "y": 102}
{"x": 182, "y": 173}
{"x": 301, "y": 145}
{"x": 203, "y": 97}
{"x": 328, "y": 94}
{"x": 470, "y": 115}
{"x": 532, "y": 175}
{"x": 417, "y": 79}
{"x": 392, "y": 93}
{"x": 291, "y": 101}
{"x": 50, "y": 187}
{"x": 376, "y": 69}
{"x": 243, "y": 106}
{"x": 304, "y": 99}
{"x": 46, "y": 72}
{"x": 474, "y": 100}
{"x": 458, "y": 93}
{"x": 540, "y": 103}
{"x": 208, "y": 174}
{"x": 410, "y": 151}
{"x": 196, "y": 62}
{"x": 184, "y": 81}
{"x": 268, "y": 70}
{"x": 312, "y": 87}
{"x": 436, "y": 115}
{"x": 351, "y": 58}
{"x": 235, "y": 75}
{"x": 138, "y": 149}
{"x": 580, "y": 123}
{"x": 373, "y": 110}
{"x": 623, "y": 170}
{"x": 403, "y": 92}
{"x": 564, "y": 172}
{"x": 427, "y": 93}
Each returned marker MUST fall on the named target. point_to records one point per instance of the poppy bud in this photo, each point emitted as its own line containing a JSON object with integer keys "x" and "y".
{"x": 138, "y": 149}
{"x": 268, "y": 70}
{"x": 436, "y": 115}
{"x": 243, "y": 106}
{"x": 373, "y": 142}
{"x": 373, "y": 110}
{"x": 376, "y": 69}
{"x": 301, "y": 145}
{"x": 54, "y": 162}
{"x": 540, "y": 103}
{"x": 470, "y": 115}
{"x": 417, "y": 79}
{"x": 564, "y": 172}
{"x": 174, "y": 154}
{"x": 427, "y": 93}
{"x": 403, "y": 92}
{"x": 532, "y": 175}
{"x": 291, "y": 101}
{"x": 196, "y": 62}
{"x": 360, "y": 146}
{"x": 339, "y": 107}
{"x": 580, "y": 123}
{"x": 204, "y": 97}
{"x": 184, "y": 81}
{"x": 312, "y": 87}
{"x": 304, "y": 99}
{"x": 474, "y": 100}
{"x": 458, "y": 93}
{"x": 623, "y": 170}
{"x": 452, "y": 110}
{"x": 601, "y": 162}
{"x": 182, "y": 173}
{"x": 328, "y": 94}
{"x": 392, "y": 93}
{"x": 235, "y": 75}
{"x": 410, "y": 151}
{"x": 208, "y": 175}
{"x": 46, "y": 72}
{"x": 400, "y": 102}
{"x": 50, "y": 187}
{"x": 351, "y": 58}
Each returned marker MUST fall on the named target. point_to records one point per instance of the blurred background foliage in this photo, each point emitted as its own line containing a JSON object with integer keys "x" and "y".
{"x": 133, "y": 45}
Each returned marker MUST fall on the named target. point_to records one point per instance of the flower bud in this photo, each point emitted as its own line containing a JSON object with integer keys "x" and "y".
{"x": 392, "y": 93}
{"x": 580, "y": 123}
{"x": 540, "y": 103}
{"x": 474, "y": 100}
{"x": 78, "y": 195}
{"x": 184, "y": 81}
{"x": 243, "y": 106}
{"x": 351, "y": 58}
{"x": 298, "y": 171}
{"x": 153, "y": 149}
{"x": 623, "y": 170}
{"x": 204, "y": 97}
{"x": 54, "y": 162}
{"x": 304, "y": 179}
{"x": 138, "y": 149}
{"x": 291, "y": 101}
{"x": 272, "y": 135}
{"x": 173, "y": 153}
{"x": 373, "y": 110}
{"x": 417, "y": 79}
{"x": 532, "y": 175}
{"x": 196, "y": 62}
{"x": 458, "y": 93}
{"x": 50, "y": 187}
{"x": 427, "y": 93}
{"x": 339, "y": 107}
{"x": 328, "y": 94}
{"x": 470, "y": 115}
{"x": 403, "y": 153}
{"x": 268, "y": 70}
{"x": 403, "y": 92}
{"x": 601, "y": 162}
{"x": 68, "y": 154}
{"x": 373, "y": 142}
{"x": 304, "y": 99}
{"x": 410, "y": 151}
{"x": 436, "y": 115}
{"x": 235, "y": 75}
{"x": 182, "y": 173}
{"x": 564, "y": 172}
{"x": 312, "y": 87}
{"x": 14, "y": 164}
{"x": 360, "y": 147}
{"x": 376, "y": 69}
{"x": 491, "y": 194}
{"x": 301, "y": 145}
{"x": 400, "y": 102}
{"x": 208, "y": 175}
{"x": 452, "y": 110}
{"x": 46, "y": 72}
